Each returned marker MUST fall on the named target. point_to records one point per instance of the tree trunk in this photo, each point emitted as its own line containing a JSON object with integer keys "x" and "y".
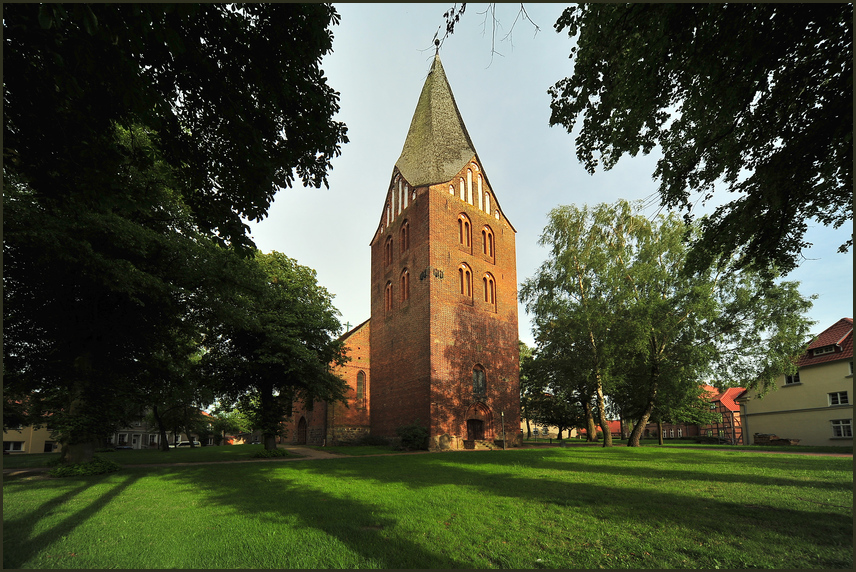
{"x": 622, "y": 426}
{"x": 528, "y": 430}
{"x": 560, "y": 433}
{"x": 269, "y": 417}
{"x": 640, "y": 425}
{"x": 601, "y": 410}
{"x": 164, "y": 442}
{"x": 660, "y": 432}
{"x": 591, "y": 428}
{"x": 79, "y": 446}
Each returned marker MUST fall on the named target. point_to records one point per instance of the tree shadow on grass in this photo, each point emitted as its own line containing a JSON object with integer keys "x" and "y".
{"x": 269, "y": 494}
{"x": 21, "y": 545}
{"x": 626, "y": 506}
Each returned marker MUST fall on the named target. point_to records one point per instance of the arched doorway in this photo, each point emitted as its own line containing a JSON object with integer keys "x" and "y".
{"x": 301, "y": 431}
{"x": 479, "y": 423}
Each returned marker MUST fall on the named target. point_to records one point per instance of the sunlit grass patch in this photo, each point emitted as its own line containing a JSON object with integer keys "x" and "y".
{"x": 558, "y": 508}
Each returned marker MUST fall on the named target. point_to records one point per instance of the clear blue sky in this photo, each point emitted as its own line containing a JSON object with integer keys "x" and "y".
{"x": 382, "y": 53}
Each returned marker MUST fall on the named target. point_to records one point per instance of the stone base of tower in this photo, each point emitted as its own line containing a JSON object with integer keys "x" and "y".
{"x": 448, "y": 442}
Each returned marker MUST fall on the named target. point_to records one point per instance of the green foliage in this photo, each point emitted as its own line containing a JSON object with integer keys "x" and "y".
{"x": 756, "y": 96}
{"x": 96, "y": 466}
{"x": 169, "y": 125}
{"x": 616, "y": 311}
{"x": 413, "y": 436}
{"x": 274, "y": 341}
{"x": 271, "y": 454}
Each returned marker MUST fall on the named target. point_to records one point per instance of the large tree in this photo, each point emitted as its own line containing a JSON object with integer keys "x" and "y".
{"x": 615, "y": 302}
{"x": 755, "y": 97}
{"x": 276, "y": 343}
{"x": 574, "y": 294}
{"x": 134, "y": 137}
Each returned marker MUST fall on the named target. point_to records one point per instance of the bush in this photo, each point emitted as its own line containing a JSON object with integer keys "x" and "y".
{"x": 265, "y": 454}
{"x": 96, "y": 466}
{"x": 413, "y": 437}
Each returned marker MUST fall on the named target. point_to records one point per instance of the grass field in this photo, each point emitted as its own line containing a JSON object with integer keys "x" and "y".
{"x": 584, "y": 507}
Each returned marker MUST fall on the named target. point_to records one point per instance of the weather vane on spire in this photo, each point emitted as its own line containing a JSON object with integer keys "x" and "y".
{"x": 436, "y": 47}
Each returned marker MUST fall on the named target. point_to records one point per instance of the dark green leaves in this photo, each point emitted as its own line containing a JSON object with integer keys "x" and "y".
{"x": 757, "y": 97}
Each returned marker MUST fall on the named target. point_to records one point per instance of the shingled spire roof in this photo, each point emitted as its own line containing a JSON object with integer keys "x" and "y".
{"x": 437, "y": 145}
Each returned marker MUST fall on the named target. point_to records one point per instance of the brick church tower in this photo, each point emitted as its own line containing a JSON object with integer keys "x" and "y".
{"x": 443, "y": 336}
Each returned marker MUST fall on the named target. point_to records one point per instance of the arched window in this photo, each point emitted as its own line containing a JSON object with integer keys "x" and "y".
{"x": 479, "y": 381}
{"x": 487, "y": 242}
{"x": 387, "y": 297}
{"x": 489, "y": 289}
{"x": 361, "y": 385}
{"x": 400, "y": 196}
{"x": 406, "y": 195}
{"x": 487, "y": 203}
{"x": 387, "y": 251}
{"x": 465, "y": 233}
{"x": 405, "y": 285}
{"x": 451, "y": 189}
{"x": 404, "y": 237}
{"x": 465, "y": 280}
{"x": 470, "y": 186}
{"x": 462, "y": 190}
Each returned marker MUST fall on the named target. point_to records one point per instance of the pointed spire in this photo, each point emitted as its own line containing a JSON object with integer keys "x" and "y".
{"x": 437, "y": 145}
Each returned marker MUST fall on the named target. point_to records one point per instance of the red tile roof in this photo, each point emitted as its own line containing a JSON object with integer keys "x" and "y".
{"x": 839, "y": 335}
{"x": 614, "y": 427}
{"x": 728, "y": 396}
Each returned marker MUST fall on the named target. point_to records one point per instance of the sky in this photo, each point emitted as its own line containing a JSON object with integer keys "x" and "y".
{"x": 381, "y": 57}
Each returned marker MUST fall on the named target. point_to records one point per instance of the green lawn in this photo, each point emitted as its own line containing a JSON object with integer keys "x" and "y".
{"x": 146, "y": 456}
{"x": 585, "y": 507}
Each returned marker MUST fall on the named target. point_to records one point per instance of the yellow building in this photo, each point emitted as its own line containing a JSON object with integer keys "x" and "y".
{"x": 815, "y": 405}
{"x": 28, "y": 440}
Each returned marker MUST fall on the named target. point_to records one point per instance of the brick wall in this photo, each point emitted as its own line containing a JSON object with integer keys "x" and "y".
{"x": 425, "y": 349}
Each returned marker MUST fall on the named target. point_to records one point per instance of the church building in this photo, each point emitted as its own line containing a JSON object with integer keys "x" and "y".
{"x": 441, "y": 346}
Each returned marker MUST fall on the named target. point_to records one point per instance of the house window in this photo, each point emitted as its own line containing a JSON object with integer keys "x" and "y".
{"x": 465, "y": 233}
{"x": 153, "y": 439}
{"x": 713, "y": 405}
{"x": 404, "y": 238}
{"x": 851, "y": 368}
{"x": 123, "y": 439}
{"x": 823, "y": 350}
{"x": 680, "y": 433}
{"x": 838, "y": 398}
{"x": 387, "y": 251}
{"x": 13, "y": 446}
{"x": 479, "y": 384}
{"x": 709, "y": 432}
{"x": 664, "y": 433}
{"x": 792, "y": 379}
{"x": 465, "y": 280}
{"x": 840, "y": 428}
{"x": 405, "y": 285}
{"x": 361, "y": 385}
{"x": 671, "y": 433}
{"x": 387, "y": 297}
